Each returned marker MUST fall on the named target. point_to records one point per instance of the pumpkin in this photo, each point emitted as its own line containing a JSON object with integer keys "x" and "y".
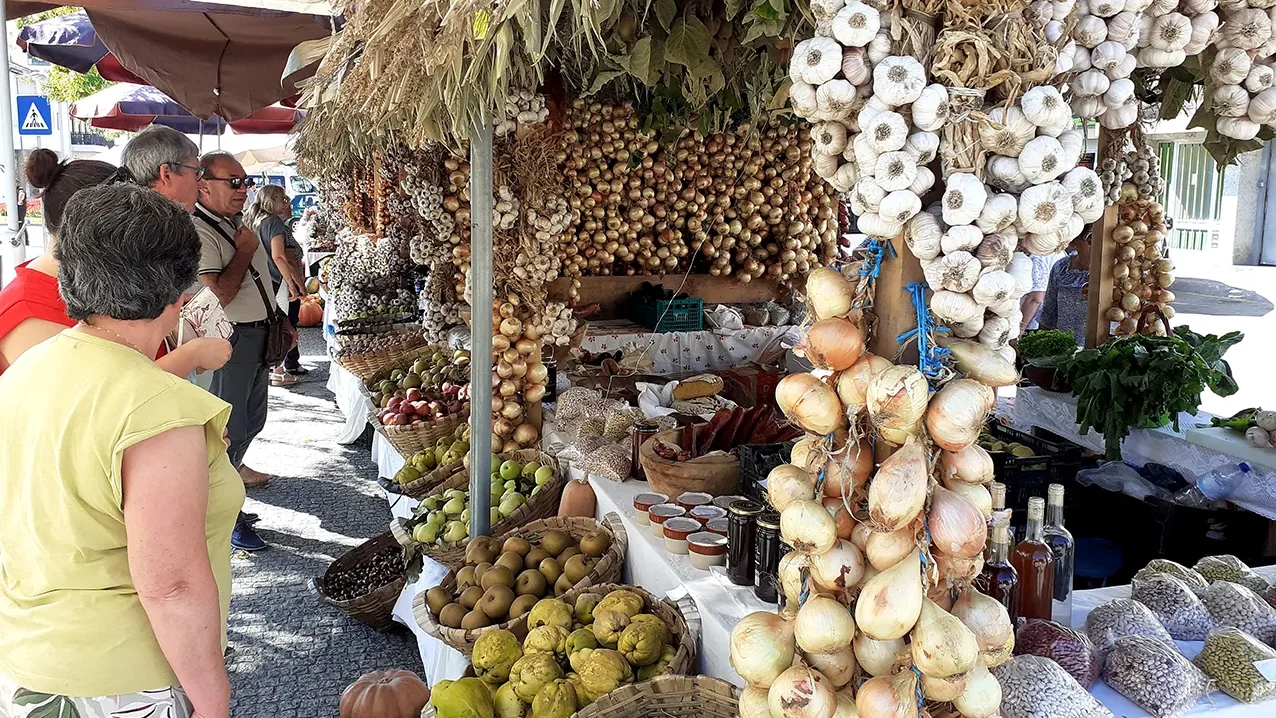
{"x": 310, "y": 314}
{"x": 393, "y": 693}
{"x": 578, "y": 500}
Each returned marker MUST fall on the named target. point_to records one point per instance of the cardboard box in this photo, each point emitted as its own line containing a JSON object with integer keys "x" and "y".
{"x": 759, "y": 381}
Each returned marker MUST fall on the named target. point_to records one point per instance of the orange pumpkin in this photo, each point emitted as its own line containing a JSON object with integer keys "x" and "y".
{"x": 310, "y": 314}
{"x": 392, "y": 693}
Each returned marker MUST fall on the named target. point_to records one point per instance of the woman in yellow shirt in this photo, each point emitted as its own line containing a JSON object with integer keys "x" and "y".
{"x": 117, "y": 501}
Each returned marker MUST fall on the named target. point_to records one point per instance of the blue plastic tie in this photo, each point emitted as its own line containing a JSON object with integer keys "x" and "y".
{"x": 805, "y": 591}
{"x": 921, "y": 697}
{"x": 876, "y": 250}
{"x": 929, "y": 356}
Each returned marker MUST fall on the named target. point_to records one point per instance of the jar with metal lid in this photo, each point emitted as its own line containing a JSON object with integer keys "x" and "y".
{"x": 643, "y": 430}
{"x": 768, "y": 557}
{"x": 741, "y": 540}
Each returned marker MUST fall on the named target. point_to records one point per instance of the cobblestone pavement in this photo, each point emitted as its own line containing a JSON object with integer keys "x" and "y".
{"x": 292, "y": 656}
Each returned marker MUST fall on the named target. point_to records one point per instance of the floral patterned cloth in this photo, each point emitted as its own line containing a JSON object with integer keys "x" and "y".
{"x": 18, "y": 702}
{"x": 674, "y": 352}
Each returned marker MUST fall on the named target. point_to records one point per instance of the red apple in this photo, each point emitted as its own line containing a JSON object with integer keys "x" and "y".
{"x": 394, "y": 403}
{"x": 413, "y": 394}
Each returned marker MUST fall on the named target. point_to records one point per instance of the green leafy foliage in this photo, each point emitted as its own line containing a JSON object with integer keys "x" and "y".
{"x": 67, "y": 86}
{"x": 1240, "y": 421}
{"x": 1143, "y": 381}
{"x": 1046, "y": 343}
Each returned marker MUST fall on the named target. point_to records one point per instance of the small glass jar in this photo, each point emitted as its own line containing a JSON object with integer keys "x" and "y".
{"x": 768, "y": 557}
{"x": 741, "y": 539}
{"x": 643, "y": 430}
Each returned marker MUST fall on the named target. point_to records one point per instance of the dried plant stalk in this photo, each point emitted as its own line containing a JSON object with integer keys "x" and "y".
{"x": 959, "y": 148}
{"x": 913, "y": 33}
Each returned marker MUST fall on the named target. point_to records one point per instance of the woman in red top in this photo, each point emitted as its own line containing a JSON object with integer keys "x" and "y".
{"x": 31, "y": 310}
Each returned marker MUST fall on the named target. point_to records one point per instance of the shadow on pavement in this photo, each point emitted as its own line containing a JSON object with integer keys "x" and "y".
{"x": 1214, "y": 298}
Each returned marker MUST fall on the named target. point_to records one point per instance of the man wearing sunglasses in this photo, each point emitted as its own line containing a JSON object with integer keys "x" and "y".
{"x": 234, "y": 265}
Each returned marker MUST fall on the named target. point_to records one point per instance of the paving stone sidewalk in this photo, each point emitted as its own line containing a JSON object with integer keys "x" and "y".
{"x": 292, "y": 656}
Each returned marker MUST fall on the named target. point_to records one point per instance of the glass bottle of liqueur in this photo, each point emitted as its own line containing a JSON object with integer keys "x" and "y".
{"x": 1034, "y": 562}
{"x": 998, "y": 491}
{"x": 998, "y": 577}
{"x": 1064, "y": 549}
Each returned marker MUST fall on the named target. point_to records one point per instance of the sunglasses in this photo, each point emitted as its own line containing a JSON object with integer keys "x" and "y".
{"x": 232, "y": 182}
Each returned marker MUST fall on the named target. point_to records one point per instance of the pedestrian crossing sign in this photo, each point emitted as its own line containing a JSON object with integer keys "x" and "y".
{"x": 34, "y": 115}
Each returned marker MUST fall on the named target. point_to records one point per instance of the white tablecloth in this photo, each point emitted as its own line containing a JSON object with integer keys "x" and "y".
{"x": 345, "y": 387}
{"x": 1215, "y": 704}
{"x": 673, "y": 352}
{"x": 1057, "y": 413}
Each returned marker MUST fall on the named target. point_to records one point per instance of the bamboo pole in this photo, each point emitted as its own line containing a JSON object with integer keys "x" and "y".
{"x": 1102, "y": 263}
{"x": 892, "y": 305}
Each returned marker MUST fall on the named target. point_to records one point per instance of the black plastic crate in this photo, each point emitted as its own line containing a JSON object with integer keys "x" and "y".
{"x": 1054, "y": 460}
{"x": 756, "y": 461}
{"x": 669, "y": 315}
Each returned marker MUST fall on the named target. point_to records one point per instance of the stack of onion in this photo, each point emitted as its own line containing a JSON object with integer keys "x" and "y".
{"x": 897, "y": 400}
{"x": 810, "y": 403}
{"x": 852, "y": 383}
{"x": 832, "y": 344}
{"x": 957, "y": 412}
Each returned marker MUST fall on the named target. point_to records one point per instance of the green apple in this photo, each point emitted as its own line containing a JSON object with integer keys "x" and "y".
{"x": 436, "y": 518}
{"x": 530, "y": 469}
{"x": 511, "y": 502}
{"x": 425, "y": 533}
{"x": 511, "y": 485}
{"x": 495, "y": 516}
{"x": 465, "y": 515}
{"x": 454, "y": 494}
{"x": 511, "y": 469}
{"x": 454, "y": 506}
{"x": 431, "y": 502}
{"x": 543, "y": 475}
{"x": 536, "y": 490}
{"x": 455, "y": 531}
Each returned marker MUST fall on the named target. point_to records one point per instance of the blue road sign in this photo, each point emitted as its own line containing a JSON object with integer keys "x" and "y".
{"x": 35, "y": 117}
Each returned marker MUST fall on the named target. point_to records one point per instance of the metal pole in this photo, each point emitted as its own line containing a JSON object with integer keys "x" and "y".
{"x": 8, "y": 177}
{"x": 481, "y": 330}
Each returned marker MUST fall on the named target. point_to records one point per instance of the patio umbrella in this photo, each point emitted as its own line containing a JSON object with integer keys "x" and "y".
{"x": 70, "y": 41}
{"x": 132, "y": 107}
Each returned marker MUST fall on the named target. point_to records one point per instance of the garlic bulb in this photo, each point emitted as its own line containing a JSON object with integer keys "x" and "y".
{"x": 1231, "y": 66}
{"x": 1120, "y": 117}
{"x": 1203, "y": 28}
{"x": 999, "y": 214}
{"x": 1073, "y": 144}
{"x": 923, "y": 236}
{"x": 899, "y": 80}
{"x": 1247, "y": 29}
{"x": 954, "y": 307}
{"x": 886, "y": 132}
{"x": 1080, "y": 59}
{"x": 924, "y": 180}
{"x": 1229, "y": 101}
{"x": 1106, "y": 8}
{"x": 964, "y": 199}
{"x": 1119, "y": 93}
{"x": 900, "y": 206}
{"x": 828, "y": 138}
{"x": 855, "y": 67}
{"x": 802, "y": 98}
{"x": 856, "y": 24}
{"x": 930, "y": 109}
{"x": 1003, "y": 173}
{"x": 875, "y": 225}
{"x": 1161, "y": 59}
{"x": 963, "y": 238}
{"x": 1083, "y": 184}
{"x": 879, "y": 48}
{"x": 922, "y": 146}
{"x": 1123, "y": 26}
{"x": 993, "y": 287}
{"x": 1170, "y": 32}
{"x": 862, "y": 149}
{"x": 866, "y": 196}
{"x": 895, "y": 170}
{"x": 1238, "y": 128}
{"x": 845, "y": 177}
{"x": 1090, "y": 31}
{"x": 1044, "y": 106}
{"x": 1042, "y": 159}
{"x": 995, "y": 251}
{"x": 1088, "y": 107}
{"x": 955, "y": 272}
{"x": 825, "y": 166}
{"x": 1260, "y": 77}
{"x": 1088, "y": 84}
{"x": 970, "y": 328}
{"x": 1045, "y": 208}
{"x": 1005, "y": 131}
{"x": 835, "y": 100}
{"x": 1262, "y": 108}
{"x": 1021, "y": 269}
{"x": 816, "y": 60}
{"x": 1107, "y": 56}
{"x": 1124, "y": 68}
{"x": 996, "y": 332}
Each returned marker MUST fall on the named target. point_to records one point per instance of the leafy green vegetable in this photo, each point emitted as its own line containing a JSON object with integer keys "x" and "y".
{"x": 1240, "y": 421}
{"x": 1146, "y": 381}
{"x": 1046, "y": 343}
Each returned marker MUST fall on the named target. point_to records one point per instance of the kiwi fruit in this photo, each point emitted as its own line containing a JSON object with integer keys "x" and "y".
{"x": 595, "y": 544}
{"x": 475, "y": 619}
{"x": 563, "y": 585}
{"x": 497, "y": 576}
{"x": 470, "y": 597}
{"x": 567, "y": 553}
{"x": 511, "y": 560}
{"x": 534, "y": 557}
{"x": 522, "y": 605}
{"x": 550, "y": 569}
{"x": 437, "y": 599}
{"x": 531, "y": 583}
{"x": 555, "y": 542}
{"x": 480, "y": 551}
{"x": 517, "y": 544}
{"x": 578, "y": 567}
{"x": 466, "y": 578}
{"x": 496, "y": 602}
{"x": 452, "y": 615}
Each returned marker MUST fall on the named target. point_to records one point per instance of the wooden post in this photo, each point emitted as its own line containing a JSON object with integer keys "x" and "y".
{"x": 892, "y": 303}
{"x": 1102, "y": 263}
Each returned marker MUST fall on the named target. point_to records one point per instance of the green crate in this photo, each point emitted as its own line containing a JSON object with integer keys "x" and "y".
{"x": 669, "y": 315}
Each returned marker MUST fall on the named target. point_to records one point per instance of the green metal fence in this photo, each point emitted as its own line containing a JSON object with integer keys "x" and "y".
{"x": 1193, "y": 194}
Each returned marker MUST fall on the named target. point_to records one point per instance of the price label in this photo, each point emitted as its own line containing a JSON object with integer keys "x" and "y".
{"x": 1267, "y": 668}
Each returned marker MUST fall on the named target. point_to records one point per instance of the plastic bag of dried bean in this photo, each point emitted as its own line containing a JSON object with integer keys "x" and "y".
{"x": 1231, "y": 604}
{"x": 1194, "y": 580}
{"x": 1123, "y": 617}
{"x": 1036, "y": 687}
{"x": 1229, "y": 657}
{"x": 1155, "y": 676}
{"x": 1226, "y": 567}
{"x": 1072, "y": 650}
{"x": 1178, "y": 609}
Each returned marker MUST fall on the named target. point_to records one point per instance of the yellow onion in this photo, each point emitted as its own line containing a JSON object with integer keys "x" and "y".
{"x": 982, "y": 697}
{"x": 887, "y": 549}
{"x": 846, "y": 704}
{"x": 804, "y": 450}
{"x": 941, "y": 645}
{"x": 787, "y": 483}
{"x": 869, "y": 573}
{"x": 809, "y": 403}
{"x": 957, "y": 570}
{"x": 898, "y": 490}
{"x": 511, "y": 327}
{"x": 859, "y": 536}
{"x": 762, "y": 647}
{"x": 835, "y": 344}
{"x": 990, "y": 622}
{"x": 891, "y": 601}
{"x": 845, "y": 522}
{"x": 957, "y": 528}
{"x": 848, "y": 469}
{"x": 792, "y": 568}
{"x": 753, "y": 703}
{"x": 537, "y": 373}
{"x": 837, "y": 666}
{"x": 533, "y": 393}
{"x": 525, "y": 346}
{"x": 888, "y": 696}
{"x": 972, "y": 465}
{"x": 829, "y": 293}
{"x": 807, "y": 527}
{"x": 942, "y": 595}
{"x": 943, "y": 690}
{"x": 974, "y": 493}
{"x": 839, "y": 569}
{"x": 981, "y": 363}
{"x": 897, "y": 402}
{"x": 823, "y": 625}
{"x": 957, "y": 412}
{"x": 877, "y": 658}
{"x": 526, "y": 434}
{"x": 852, "y": 383}
{"x": 801, "y": 692}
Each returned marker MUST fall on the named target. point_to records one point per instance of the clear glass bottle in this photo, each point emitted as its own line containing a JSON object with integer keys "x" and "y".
{"x": 1064, "y": 548}
{"x": 1034, "y": 562}
{"x": 998, "y": 491}
{"x": 998, "y": 578}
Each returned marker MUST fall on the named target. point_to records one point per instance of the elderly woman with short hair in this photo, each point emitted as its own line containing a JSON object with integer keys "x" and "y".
{"x": 118, "y": 500}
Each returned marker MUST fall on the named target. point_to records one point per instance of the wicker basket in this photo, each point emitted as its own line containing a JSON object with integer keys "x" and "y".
{"x": 373, "y": 364}
{"x": 427, "y": 483}
{"x": 669, "y": 697}
{"x": 410, "y": 439}
{"x": 540, "y": 506}
{"x": 606, "y": 571}
{"x": 372, "y": 608}
{"x": 682, "y": 616}
{"x": 717, "y": 475}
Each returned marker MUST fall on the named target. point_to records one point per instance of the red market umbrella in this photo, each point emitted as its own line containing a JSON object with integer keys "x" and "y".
{"x": 132, "y": 108}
